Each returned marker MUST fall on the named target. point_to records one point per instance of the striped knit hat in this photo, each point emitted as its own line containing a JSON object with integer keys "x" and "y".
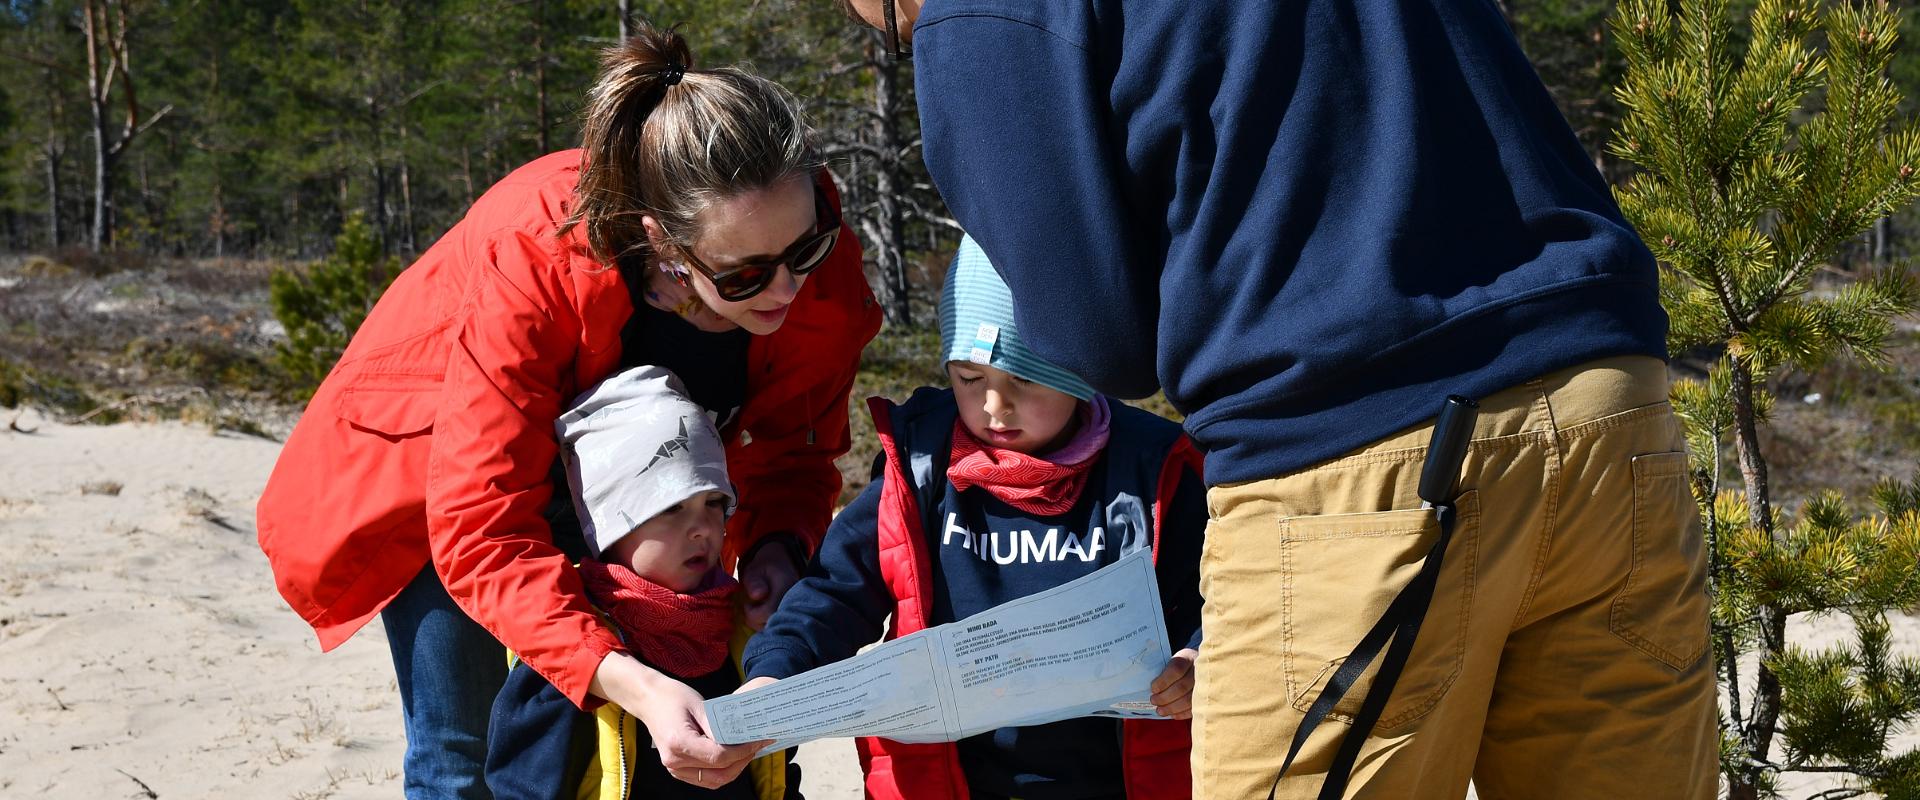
{"x": 976, "y": 324}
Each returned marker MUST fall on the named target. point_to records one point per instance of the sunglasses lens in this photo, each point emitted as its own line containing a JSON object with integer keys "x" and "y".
{"x": 743, "y": 283}
{"x": 814, "y": 253}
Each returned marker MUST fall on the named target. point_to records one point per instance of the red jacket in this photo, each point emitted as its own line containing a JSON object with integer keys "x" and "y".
{"x": 1154, "y": 753}
{"x": 432, "y": 438}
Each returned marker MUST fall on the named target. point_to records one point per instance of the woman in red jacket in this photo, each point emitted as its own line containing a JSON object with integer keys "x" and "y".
{"x": 694, "y": 230}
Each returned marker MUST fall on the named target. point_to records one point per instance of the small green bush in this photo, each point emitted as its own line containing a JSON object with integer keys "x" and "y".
{"x": 323, "y": 307}
{"x": 21, "y": 384}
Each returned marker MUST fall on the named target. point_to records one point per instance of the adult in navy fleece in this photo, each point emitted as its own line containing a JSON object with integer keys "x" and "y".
{"x": 1322, "y": 217}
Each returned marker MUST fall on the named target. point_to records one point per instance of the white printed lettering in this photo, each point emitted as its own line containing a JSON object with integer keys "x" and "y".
{"x": 1023, "y": 546}
{"x": 953, "y": 527}
{"x": 1013, "y": 548}
{"x": 1037, "y": 552}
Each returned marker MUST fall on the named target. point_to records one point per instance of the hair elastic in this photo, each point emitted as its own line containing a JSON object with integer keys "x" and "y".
{"x": 672, "y": 74}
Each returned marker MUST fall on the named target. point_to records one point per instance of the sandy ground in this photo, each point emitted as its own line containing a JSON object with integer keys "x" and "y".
{"x": 144, "y": 653}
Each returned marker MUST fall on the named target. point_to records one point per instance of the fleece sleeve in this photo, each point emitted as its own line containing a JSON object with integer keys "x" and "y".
{"x": 839, "y": 606}
{"x": 1021, "y": 143}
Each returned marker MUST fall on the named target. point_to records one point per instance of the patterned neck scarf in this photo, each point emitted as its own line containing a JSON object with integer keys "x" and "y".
{"x": 686, "y": 635}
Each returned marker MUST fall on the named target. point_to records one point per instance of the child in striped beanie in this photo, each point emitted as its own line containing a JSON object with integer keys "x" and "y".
{"x": 1017, "y": 479}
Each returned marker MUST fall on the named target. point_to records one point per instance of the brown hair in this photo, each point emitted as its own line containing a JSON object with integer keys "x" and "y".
{"x": 666, "y": 140}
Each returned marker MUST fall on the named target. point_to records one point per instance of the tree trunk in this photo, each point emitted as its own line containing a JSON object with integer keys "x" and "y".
{"x": 53, "y": 191}
{"x": 105, "y": 26}
{"x": 219, "y": 221}
{"x": 466, "y": 170}
{"x": 543, "y": 124}
{"x": 890, "y": 250}
{"x": 406, "y": 195}
{"x": 383, "y": 216}
{"x": 626, "y": 19}
{"x": 99, "y": 83}
{"x": 102, "y": 234}
{"x": 1773, "y": 624}
{"x": 490, "y": 154}
{"x": 53, "y": 151}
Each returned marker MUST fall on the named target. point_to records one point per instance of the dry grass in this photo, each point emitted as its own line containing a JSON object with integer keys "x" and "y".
{"x": 126, "y": 338}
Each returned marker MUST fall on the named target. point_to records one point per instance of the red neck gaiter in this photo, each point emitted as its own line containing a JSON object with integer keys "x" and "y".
{"x": 1033, "y": 484}
{"x": 684, "y": 634}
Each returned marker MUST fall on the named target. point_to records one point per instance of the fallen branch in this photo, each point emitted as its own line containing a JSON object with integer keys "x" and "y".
{"x": 151, "y": 794}
{"x": 154, "y": 397}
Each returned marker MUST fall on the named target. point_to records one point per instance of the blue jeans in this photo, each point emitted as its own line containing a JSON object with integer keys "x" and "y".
{"x": 449, "y": 669}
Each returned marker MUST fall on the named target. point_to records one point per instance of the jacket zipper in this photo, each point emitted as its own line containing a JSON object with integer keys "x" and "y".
{"x": 620, "y": 740}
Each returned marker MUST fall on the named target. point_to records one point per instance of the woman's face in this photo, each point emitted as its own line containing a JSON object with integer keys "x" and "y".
{"x": 757, "y": 225}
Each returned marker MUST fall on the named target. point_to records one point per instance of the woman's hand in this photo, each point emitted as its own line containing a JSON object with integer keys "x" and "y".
{"x": 767, "y": 576}
{"x": 755, "y": 684}
{"x": 676, "y": 718}
{"x": 1173, "y": 690}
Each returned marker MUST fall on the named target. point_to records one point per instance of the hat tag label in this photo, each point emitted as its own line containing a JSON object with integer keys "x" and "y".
{"x": 983, "y": 343}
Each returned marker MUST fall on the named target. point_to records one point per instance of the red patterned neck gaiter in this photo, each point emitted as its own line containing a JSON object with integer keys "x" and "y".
{"x": 684, "y": 634}
{"x": 1032, "y": 484}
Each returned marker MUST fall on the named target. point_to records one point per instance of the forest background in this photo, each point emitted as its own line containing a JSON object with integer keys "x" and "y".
{"x": 161, "y": 159}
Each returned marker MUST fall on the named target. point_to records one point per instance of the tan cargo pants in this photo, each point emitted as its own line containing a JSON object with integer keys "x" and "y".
{"x": 1565, "y": 653}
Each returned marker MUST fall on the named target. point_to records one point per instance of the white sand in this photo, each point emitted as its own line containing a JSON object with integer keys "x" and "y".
{"x": 142, "y": 645}
{"x": 142, "y": 642}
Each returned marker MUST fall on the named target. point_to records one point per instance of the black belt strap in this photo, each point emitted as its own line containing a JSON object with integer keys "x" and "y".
{"x": 1400, "y": 624}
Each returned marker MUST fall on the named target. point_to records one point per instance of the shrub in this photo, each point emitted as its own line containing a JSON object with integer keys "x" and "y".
{"x": 324, "y": 306}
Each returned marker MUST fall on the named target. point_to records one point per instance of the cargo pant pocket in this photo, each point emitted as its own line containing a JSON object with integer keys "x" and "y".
{"x": 1662, "y": 608}
{"x": 1340, "y": 573}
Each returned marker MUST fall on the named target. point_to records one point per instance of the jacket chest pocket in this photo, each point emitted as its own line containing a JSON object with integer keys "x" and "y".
{"x": 394, "y": 390}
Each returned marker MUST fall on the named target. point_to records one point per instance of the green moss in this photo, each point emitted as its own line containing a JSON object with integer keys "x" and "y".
{"x": 21, "y": 384}
{"x": 1899, "y": 421}
{"x": 209, "y": 364}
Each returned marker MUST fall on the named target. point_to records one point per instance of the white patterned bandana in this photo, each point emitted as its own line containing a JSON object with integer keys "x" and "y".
{"x": 633, "y": 446}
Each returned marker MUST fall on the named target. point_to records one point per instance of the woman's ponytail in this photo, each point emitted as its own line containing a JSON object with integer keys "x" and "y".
{"x": 662, "y": 138}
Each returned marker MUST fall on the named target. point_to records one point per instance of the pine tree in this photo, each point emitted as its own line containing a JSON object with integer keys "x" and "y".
{"x": 322, "y": 308}
{"x": 1757, "y": 166}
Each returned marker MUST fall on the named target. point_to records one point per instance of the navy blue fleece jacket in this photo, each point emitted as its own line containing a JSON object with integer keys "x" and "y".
{"x": 1319, "y": 216}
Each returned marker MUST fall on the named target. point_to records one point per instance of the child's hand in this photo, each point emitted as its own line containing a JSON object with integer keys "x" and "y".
{"x": 755, "y": 684}
{"x": 1173, "y": 690}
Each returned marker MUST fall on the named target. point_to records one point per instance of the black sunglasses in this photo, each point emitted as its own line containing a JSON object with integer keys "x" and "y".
{"x": 896, "y": 49}
{"x": 750, "y": 278}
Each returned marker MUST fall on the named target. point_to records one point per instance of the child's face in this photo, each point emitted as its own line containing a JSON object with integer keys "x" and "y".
{"x": 677, "y": 547}
{"x": 1009, "y": 412}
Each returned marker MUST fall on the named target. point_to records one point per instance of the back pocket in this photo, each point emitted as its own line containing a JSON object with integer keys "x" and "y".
{"x": 1662, "y": 609}
{"x": 1342, "y": 570}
